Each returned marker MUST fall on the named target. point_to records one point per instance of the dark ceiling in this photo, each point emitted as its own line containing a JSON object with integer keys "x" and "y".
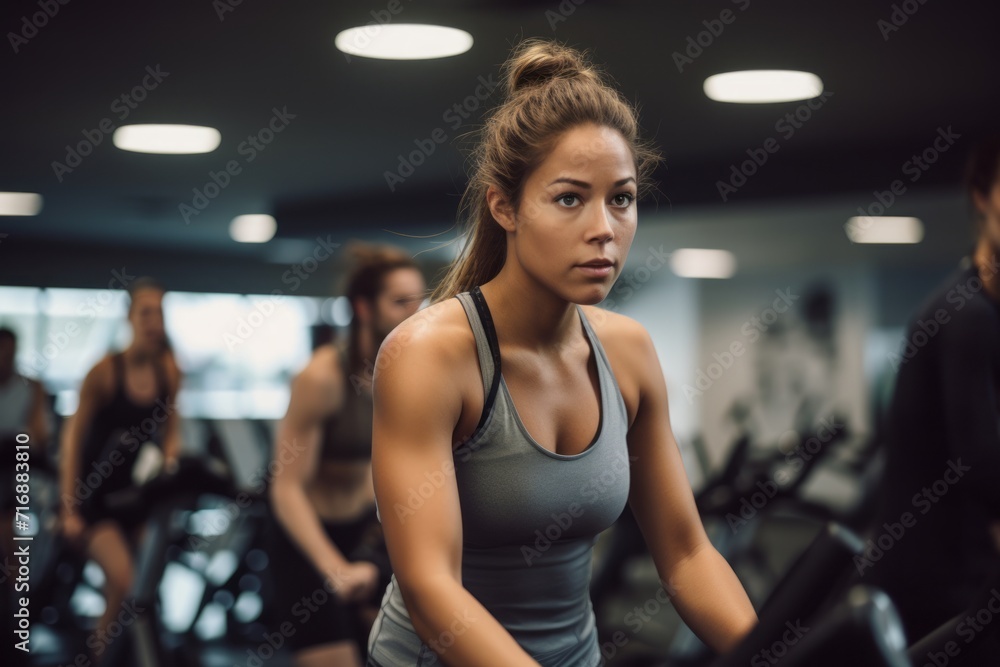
{"x": 325, "y": 172}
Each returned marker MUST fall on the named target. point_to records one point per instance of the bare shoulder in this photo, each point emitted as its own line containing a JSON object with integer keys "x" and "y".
{"x": 323, "y": 364}
{"x": 318, "y": 382}
{"x": 100, "y": 380}
{"x": 619, "y": 334}
{"x": 439, "y": 329}
{"x": 172, "y": 370}
{"x": 438, "y": 337}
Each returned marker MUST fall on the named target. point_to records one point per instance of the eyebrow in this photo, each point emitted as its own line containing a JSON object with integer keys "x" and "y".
{"x": 586, "y": 186}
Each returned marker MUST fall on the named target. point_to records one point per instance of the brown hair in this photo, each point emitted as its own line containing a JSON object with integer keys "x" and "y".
{"x": 143, "y": 283}
{"x": 550, "y": 88}
{"x": 366, "y": 279}
{"x": 982, "y": 170}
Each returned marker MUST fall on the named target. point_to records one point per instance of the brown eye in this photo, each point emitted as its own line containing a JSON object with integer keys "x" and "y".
{"x": 624, "y": 199}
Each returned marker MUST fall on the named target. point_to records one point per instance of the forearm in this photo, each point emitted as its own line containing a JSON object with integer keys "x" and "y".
{"x": 38, "y": 431}
{"x": 172, "y": 431}
{"x": 301, "y": 522}
{"x": 711, "y": 599}
{"x": 171, "y": 447}
{"x": 38, "y": 435}
{"x": 69, "y": 466}
{"x": 456, "y": 626}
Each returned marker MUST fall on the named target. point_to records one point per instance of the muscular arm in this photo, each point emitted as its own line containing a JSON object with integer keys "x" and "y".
{"x": 297, "y": 448}
{"x": 172, "y": 430}
{"x": 417, "y": 405}
{"x": 702, "y": 585}
{"x": 93, "y": 393}
{"x": 972, "y": 407}
{"x": 38, "y": 425}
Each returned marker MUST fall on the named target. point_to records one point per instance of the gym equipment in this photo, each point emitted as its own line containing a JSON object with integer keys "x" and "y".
{"x": 965, "y": 638}
{"x": 804, "y": 622}
{"x": 201, "y": 535}
{"x": 863, "y": 629}
{"x": 731, "y": 506}
{"x": 201, "y": 586}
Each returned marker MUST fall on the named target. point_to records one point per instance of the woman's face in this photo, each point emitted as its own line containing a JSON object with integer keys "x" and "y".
{"x": 989, "y": 207}
{"x": 402, "y": 293}
{"x": 146, "y": 317}
{"x": 578, "y": 205}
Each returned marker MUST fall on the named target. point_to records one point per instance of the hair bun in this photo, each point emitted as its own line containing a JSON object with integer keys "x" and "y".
{"x": 537, "y": 61}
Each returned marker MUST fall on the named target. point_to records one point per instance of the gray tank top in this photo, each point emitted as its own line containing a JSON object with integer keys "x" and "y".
{"x": 530, "y": 519}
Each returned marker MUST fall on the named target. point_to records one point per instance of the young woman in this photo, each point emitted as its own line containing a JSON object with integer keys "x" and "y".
{"x": 513, "y": 423}
{"x": 126, "y": 400}
{"x": 329, "y": 537}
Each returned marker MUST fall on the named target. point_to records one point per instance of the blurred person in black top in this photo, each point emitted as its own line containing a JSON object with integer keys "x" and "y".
{"x": 126, "y": 402}
{"x": 24, "y": 420}
{"x": 933, "y": 544}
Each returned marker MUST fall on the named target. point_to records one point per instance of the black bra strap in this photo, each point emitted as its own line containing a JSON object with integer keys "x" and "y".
{"x": 118, "y": 362}
{"x": 491, "y": 337}
{"x": 487, "y": 319}
{"x": 161, "y": 378}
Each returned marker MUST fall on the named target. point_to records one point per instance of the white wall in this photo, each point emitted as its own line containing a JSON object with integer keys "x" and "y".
{"x": 727, "y": 304}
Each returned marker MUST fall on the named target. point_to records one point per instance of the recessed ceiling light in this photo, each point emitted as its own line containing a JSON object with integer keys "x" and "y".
{"x": 703, "y": 263}
{"x": 20, "y": 203}
{"x": 403, "y": 41}
{"x": 252, "y": 228}
{"x": 884, "y": 229}
{"x": 763, "y": 85}
{"x": 170, "y": 139}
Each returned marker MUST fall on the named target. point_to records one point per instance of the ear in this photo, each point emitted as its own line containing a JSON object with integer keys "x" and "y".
{"x": 363, "y": 310}
{"x": 502, "y": 210}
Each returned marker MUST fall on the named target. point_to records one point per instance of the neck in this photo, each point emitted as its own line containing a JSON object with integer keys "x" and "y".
{"x": 137, "y": 355}
{"x": 987, "y": 261}
{"x": 367, "y": 348}
{"x": 527, "y": 315}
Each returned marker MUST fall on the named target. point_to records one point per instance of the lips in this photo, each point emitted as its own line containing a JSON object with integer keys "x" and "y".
{"x": 598, "y": 263}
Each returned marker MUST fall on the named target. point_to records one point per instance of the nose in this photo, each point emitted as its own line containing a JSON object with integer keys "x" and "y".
{"x": 601, "y": 227}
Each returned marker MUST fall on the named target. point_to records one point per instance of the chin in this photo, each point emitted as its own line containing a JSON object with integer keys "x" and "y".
{"x": 590, "y": 295}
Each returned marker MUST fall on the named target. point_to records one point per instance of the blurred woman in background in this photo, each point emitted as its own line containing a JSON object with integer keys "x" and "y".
{"x": 126, "y": 401}
{"x": 322, "y": 494}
